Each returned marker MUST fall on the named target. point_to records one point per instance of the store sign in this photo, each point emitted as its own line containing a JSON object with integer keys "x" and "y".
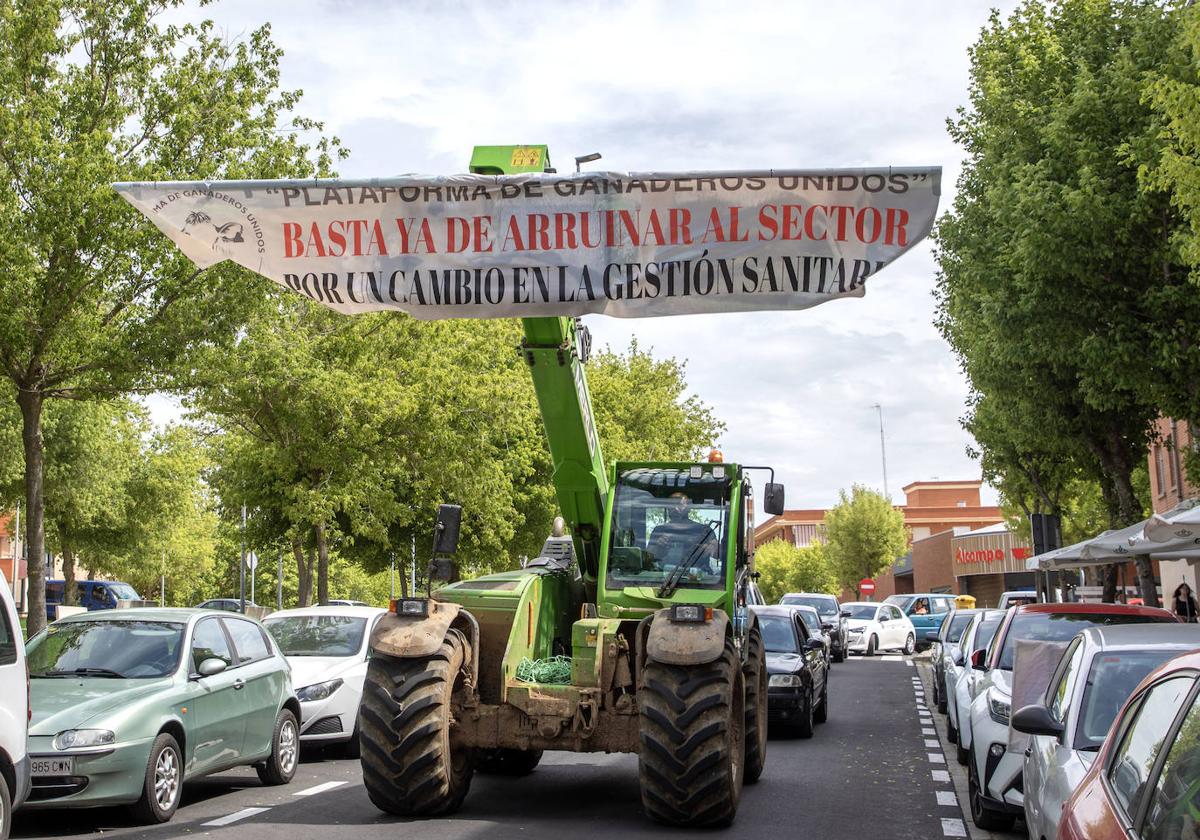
{"x": 992, "y": 553}
{"x": 623, "y": 244}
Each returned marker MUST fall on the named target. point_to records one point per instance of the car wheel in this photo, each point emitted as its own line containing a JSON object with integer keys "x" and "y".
{"x": 280, "y": 767}
{"x": 910, "y": 644}
{"x": 5, "y": 809}
{"x": 870, "y": 647}
{"x": 951, "y": 732}
{"x": 839, "y": 654}
{"x": 353, "y": 748}
{"x": 822, "y": 713}
{"x": 983, "y": 816}
{"x": 162, "y": 785}
{"x": 804, "y": 725}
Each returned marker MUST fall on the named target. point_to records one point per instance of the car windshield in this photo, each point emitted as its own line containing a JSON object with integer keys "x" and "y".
{"x": 826, "y": 605}
{"x": 863, "y": 611}
{"x": 666, "y": 522}
{"x": 123, "y": 592}
{"x": 1061, "y": 627}
{"x": 1112, "y": 679}
{"x": 901, "y": 601}
{"x": 113, "y": 649}
{"x": 778, "y": 635}
{"x": 958, "y": 623}
{"x": 318, "y": 635}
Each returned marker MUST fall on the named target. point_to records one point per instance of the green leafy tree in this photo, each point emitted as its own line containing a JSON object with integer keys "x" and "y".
{"x": 95, "y": 302}
{"x": 783, "y": 568}
{"x": 1057, "y": 287}
{"x": 864, "y": 535}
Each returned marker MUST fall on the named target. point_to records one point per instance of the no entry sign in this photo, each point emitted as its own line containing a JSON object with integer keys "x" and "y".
{"x": 866, "y": 586}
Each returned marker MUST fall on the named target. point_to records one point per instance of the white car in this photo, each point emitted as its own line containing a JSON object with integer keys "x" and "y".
{"x": 328, "y": 648}
{"x": 14, "y": 712}
{"x": 1017, "y": 598}
{"x": 995, "y": 786}
{"x": 1097, "y": 673}
{"x": 962, "y": 680}
{"x": 871, "y": 627}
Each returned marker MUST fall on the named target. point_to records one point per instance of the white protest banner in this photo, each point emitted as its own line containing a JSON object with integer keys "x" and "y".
{"x": 628, "y": 245}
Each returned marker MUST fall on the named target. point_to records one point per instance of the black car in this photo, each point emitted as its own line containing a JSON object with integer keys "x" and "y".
{"x": 948, "y": 634}
{"x": 830, "y": 610}
{"x": 798, "y": 684}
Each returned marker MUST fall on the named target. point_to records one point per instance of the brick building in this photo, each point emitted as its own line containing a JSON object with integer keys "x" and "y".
{"x": 1169, "y": 485}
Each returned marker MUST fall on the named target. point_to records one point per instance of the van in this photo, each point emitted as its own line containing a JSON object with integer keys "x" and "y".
{"x": 90, "y": 594}
{"x": 14, "y": 712}
{"x": 926, "y": 611}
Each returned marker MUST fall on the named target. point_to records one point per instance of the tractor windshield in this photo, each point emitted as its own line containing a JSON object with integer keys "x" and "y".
{"x": 665, "y": 521}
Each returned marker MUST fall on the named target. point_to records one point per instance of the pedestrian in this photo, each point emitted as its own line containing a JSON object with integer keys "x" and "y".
{"x": 1184, "y": 604}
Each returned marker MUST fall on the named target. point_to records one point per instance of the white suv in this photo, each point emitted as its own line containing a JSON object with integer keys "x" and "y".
{"x": 14, "y": 712}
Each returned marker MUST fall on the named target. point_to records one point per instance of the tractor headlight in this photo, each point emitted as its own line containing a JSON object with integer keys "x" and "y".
{"x": 411, "y": 607}
{"x": 73, "y": 739}
{"x": 784, "y": 681}
{"x": 691, "y": 613}
{"x": 318, "y": 691}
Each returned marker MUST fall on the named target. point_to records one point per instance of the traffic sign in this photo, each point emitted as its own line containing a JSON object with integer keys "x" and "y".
{"x": 251, "y": 561}
{"x": 866, "y": 586}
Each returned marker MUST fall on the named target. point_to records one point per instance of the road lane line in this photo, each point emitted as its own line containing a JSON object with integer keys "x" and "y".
{"x": 928, "y": 730}
{"x": 953, "y": 827}
{"x": 932, "y": 742}
{"x": 235, "y": 816}
{"x": 941, "y": 775}
{"x": 947, "y": 797}
{"x": 936, "y": 758}
{"x": 318, "y": 789}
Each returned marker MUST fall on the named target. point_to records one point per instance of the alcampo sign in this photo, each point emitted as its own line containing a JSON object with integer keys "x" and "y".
{"x": 531, "y": 245}
{"x": 990, "y": 553}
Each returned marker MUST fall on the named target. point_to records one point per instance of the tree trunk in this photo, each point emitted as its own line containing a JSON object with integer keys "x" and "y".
{"x": 1124, "y": 509}
{"x": 322, "y": 564}
{"x": 35, "y": 522}
{"x": 303, "y": 573}
{"x": 70, "y": 598}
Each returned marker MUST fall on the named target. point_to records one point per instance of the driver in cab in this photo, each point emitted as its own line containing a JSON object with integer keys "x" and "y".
{"x": 681, "y": 539}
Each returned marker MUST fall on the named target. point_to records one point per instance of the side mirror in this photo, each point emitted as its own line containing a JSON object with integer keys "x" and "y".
{"x": 773, "y": 499}
{"x": 445, "y": 532}
{"x": 978, "y": 660}
{"x": 845, "y": 613}
{"x": 1036, "y": 720}
{"x": 956, "y": 655}
{"x": 931, "y": 636}
{"x": 211, "y": 667}
{"x": 827, "y": 626}
{"x": 814, "y": 644}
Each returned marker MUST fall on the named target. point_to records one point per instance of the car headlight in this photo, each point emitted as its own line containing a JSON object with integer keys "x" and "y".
{"x": 318, "y": 691}
{"x": 73, "y": 739}
{"x": 784, "y": 681}
{"x": 999, "y": 709}
{"x": 855, "y": 631}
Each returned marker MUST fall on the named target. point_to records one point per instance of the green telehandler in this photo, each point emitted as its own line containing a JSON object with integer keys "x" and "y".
{"x": 643, "y": 608}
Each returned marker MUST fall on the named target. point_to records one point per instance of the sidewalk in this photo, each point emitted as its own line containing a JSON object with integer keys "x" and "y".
{"x": 958, "y": 773}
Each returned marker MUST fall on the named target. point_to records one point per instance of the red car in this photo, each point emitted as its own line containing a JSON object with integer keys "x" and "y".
{"x": 1145, "y": 783}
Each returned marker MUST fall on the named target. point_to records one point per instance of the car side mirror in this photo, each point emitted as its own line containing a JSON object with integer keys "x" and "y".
{"x": 826, "y": 626}
{"x": 845, "y": 613}
{"x": 978, "y": 660}
{"x": 773, "y": 499}
{"x": 814, "y": 644}
{"x": 1036, "y": 720}
{"x": 956, "y": 656}
{"x": 211, "y": 667}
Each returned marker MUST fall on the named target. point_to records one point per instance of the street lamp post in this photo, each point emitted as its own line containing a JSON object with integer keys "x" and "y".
{"x": 883, "y": 452}
{"x": 586, "y": 159}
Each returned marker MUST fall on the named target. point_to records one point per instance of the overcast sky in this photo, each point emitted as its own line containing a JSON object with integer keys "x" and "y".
{"x": 410, "y": 87}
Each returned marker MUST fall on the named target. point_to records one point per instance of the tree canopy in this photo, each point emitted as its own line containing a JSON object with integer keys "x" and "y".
{"x": 864, "y": 535}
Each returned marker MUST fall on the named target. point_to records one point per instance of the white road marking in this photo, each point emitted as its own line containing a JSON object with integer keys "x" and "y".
{"x": 941, "y": 775}
{"x": 928, "y": 730}
{"x": 936, "y": 758}
{"x": 952, "y": 827}
{"x": 947, "y": 797}
{"x": 235, "y": 816}
{"x": 910, "y": 663}
{"x": 318, "y": 789}
{"x": 932, "y": 743}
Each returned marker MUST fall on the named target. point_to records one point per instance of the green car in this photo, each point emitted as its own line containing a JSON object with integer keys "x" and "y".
{"x": 129, "y": 704}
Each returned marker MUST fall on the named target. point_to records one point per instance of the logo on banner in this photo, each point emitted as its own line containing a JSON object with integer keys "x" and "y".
{"x": 227, "y": 232}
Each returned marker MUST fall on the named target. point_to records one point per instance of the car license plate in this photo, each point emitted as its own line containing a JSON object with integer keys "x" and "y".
{"x": 52, "y": 766}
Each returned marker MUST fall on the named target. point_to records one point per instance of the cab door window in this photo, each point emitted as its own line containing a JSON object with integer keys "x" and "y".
{"x": 248, "y": 641}
{"x": 209, "y": 642}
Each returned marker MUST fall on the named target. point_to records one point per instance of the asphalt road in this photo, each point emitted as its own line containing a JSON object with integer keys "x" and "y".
{"x": 875, "y": 770}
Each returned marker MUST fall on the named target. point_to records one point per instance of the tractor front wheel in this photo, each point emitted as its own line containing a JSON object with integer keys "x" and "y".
{"x": 410, "y": 765}
{"x": 693, "y": 743}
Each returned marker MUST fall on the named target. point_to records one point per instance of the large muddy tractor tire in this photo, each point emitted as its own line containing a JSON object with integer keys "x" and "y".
{"x": 506, "y": 762}
{"x": 693, "y": 742}
{"x": 755, "y": 674}
{"x": 410, "y": 766}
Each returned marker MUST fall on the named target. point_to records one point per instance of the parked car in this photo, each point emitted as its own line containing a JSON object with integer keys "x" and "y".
{"x": 225, "y": 604}
{"x": 925, "y": 610}
{"x": 129, "y": 705}
{"x": 1017, "y": 598}
{"x": 1145, "y": 781}
{"x": 872, "y": 627}
{"x": 944, "y": 640}
{"x": 798, "y": 678}
{"x": 830, "y": 610}
{"x": 962, "y": 681}
{"x": 328, "y": 648}
{"x": 91, "y": 594}
{"x": 994, "y": 773}
{"x": 816, "y": 629}
{"x": 14, "y": 712}
{"x": 1098, "y": 671}
{"x": 341, "y": 602}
